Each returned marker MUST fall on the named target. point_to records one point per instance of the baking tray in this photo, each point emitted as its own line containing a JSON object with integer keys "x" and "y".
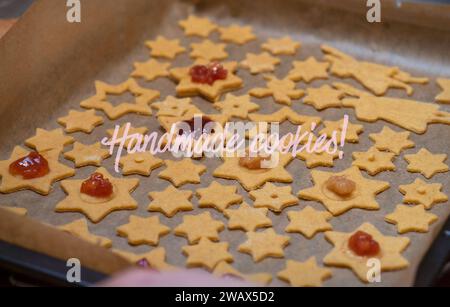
{"x": 49, "y": 66}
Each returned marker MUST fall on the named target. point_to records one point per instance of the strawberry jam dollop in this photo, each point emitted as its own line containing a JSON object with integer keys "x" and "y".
{"x": 97, "y": 186}
{"x": 208, "y": 74}
{"x": 29, "y": 167}
{"x": 362, "y": 244}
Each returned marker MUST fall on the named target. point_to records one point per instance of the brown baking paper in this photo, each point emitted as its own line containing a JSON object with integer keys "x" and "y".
{"x": 49, "y": 65}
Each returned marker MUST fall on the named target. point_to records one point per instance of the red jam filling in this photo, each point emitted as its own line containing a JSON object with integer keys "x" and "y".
{"x": 197, "y": 131}
{"x": 208, "y": 74}
{"x": 32, "y": 166}
{"x": 362, "y": 244}
{"x": 97, "y": 186}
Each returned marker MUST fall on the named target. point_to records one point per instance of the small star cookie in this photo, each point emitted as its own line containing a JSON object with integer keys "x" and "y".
{"x": 247, "y": 218}
{"x": 140, "y": 163}
{"x": 224, "y": 269}
{"x": 84, "y": 155}
{"x": 308, "y": 70}
{"x": 133, "y": 134}
{"x": 258, "y": 63}
{"x": 261, "y": 245}
{"x": 273, "y": 197}
{"x": 143, "y": 96}
{"x": 390, "y": 251}
{"x": 96, "y": 209}
{"x": 42, "y": 185}
{"x": 237, "y": 106}
{"x": 318, "y": 158}
{"x": 218, "y": 196}
{"x": 208, "y": 51}
{"x": 142, "y": 230}
{"x": 170, "y": 201}
{"x": 156, "y": 259}
{"x": 420, "y": 192}
{"x": 352, "y": 132}
{"x": 374, "y": 161}
{"x": 324, "y": 97}
{"x": 444, "y": 97}
{"x": 237, "y": 34}
{"x": 392, "y": 141}
{"x": 165, "y": 48}
{"x": 150, "y": 70}
{"x": 18, "y": 211}
{"x": 186, "y": 87}
{"x": 182, "y": 172}
{"x": 79, "y": 228}
{"x": 426, "y": 163}
{"x": 253, "y": 179}
{"x": 172, "y": 106}
{"x": 284, "y": 114}
{"x": 304, "y": 274}
{"x": 410, "y": 219}
{"x": 207, "y": 254}
{"x": 308, "y": 222}
{"x": 45, "y": 140}
{"x": 80, "y": 121}
{"x": 362, "y": 197}
{"x": 197, "y": 26}
{"x": 281, "y": 46}
{"x": 282, "y": 90}
{"x": 195, "y": 227}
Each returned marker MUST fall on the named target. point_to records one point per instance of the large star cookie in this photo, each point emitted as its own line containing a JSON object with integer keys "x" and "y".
{"x": 224, "y": 269}
{"x": 304, "y": 274}
{"x": 237, "y": 34}
{"x": 170, "y": 201}
{"x": 261, "y": 245}
{"x": 259, "y": 63}
{"x": 426, "y": 163}
{"x": 237, "y": 106}
{"x": 209, "y": 51}
{"x": 308, "y": 70}
{"x": 207, "y": 254}
{"x": 389, "y": 256}
{"x": 156, "y": 259}
{"x": 362, "y": 197}
{"x": 282, "y": 90}
{"x": 281, "y": 46}
{"x": 195, "y": 227}
{"x": 182, "y": 172}
{"x": 99, "y": 101}
{"x": 98, "y": 208}
{"x": 388, "y": 139}
{"x": 420, "y": 192}
{"x": 80, "y": 121}
{"x": 197, "y": 26}
{"x": 275, "y": 198}
{"x": 308, "y": 221}
{"x": 79, "y": 228}
{"x": 410, "y": 219}
{"x": 165, "y": 48}
{"x": 218, "y": 196}
{"x": 42, "y": 185}
{"x": 374, "y": 161}
{"x": 47, "y": 140}
{"x": 142, "y": 230}
{"x": 150, "y": 70}
{"x": 247, "y": 218}
{"x": 84, "y": 155}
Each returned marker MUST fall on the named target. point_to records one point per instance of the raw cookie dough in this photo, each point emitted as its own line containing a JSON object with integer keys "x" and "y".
{"x": 165, "y": 48}
{"x": 84, "y": 155}
{"x": 80, "y": 121}
{"x": 420, "y": 192}
{"x": 410, "y": 219}
{"x": 308, "y": 70}
{"x": 261, "y": 245}
{"x": 260, "y": 63}
{"x": 275, "y": 198}
{"x": 247, "y": 218}
{"x": 304, "y": 274}
{"x": 218, "y": 196}
{"x": 281, "y": 46}
{"x": 170, "y": 201}
{"x": 79, "y": 228}
{"x": 308, "y": 222}
{"x": 282, "y": 90}
{"x": 195, "y": 227}
{"x": 237, "y": 34}
{"x": 207, "y": 254}
{"x": 142, "y": 230}
{"x": 426, "y": 163}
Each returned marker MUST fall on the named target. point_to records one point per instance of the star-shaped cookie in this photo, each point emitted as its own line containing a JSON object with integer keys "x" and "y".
{"x": 207, "y": 254}
{"x": 165, "y": 48}
{"x": 281, "y": 46}
{"x": 182, "y": 172}
{"x": 308, "y": 70}
{"x": 186, "y": 87}
{"x": 420, "y": 192}
{"x": 352, "y": 132}
{"x": 324, "y": 97}
{"x": 443, "y": 97}
{"x": 275, "y": 198}
{"x": 84, "y": 155}
{"x": 172, "y": 106}
{"x": 247, "y": 218}
{"x": 426, "y": 163}
{"x": 362, "y": 197}
{"x": 80, "y": 229}
{"x": 236, "y": 106}
{"x": 308, "y": 221}
{"x": 261, "y": 245}
{"x": 390, "y": 251}
{"x": 282, "y": 90}
{"x": 258, "y": 63}
{"x": 195, "y": 227}
{"x": 410, "y": 219}
{"x": 142, "y": 230}
{"x": 388, "y": 139}
{"x": 80, "y": 121}
{"x": 237, "y": 34}
{"x": 318, "y": 158}
{"x": 49, "y": 140}
{"x": 170, "y": 201}
{"x": 140, "y": 163}
{"x": 94, "y": 208}
{"x": 374, "y": 161}
{"x": 253, "y": 179}
{"x": 218, "y": 196}
{"x": 225, "y": 269}
{"x": 132, "y": 136}
{"x": 156, "y": 259}
{"x": 42, "y": 185}
{"x": 304, "y": 274}
{"x": 208, "y": 51}
{"x": 143, "y": 96}
{"x": 197, "y": 26}
{"x": 150, "y": 70}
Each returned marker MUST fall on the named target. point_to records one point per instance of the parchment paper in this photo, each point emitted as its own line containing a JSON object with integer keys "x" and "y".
{"x": 47, "y": 66}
